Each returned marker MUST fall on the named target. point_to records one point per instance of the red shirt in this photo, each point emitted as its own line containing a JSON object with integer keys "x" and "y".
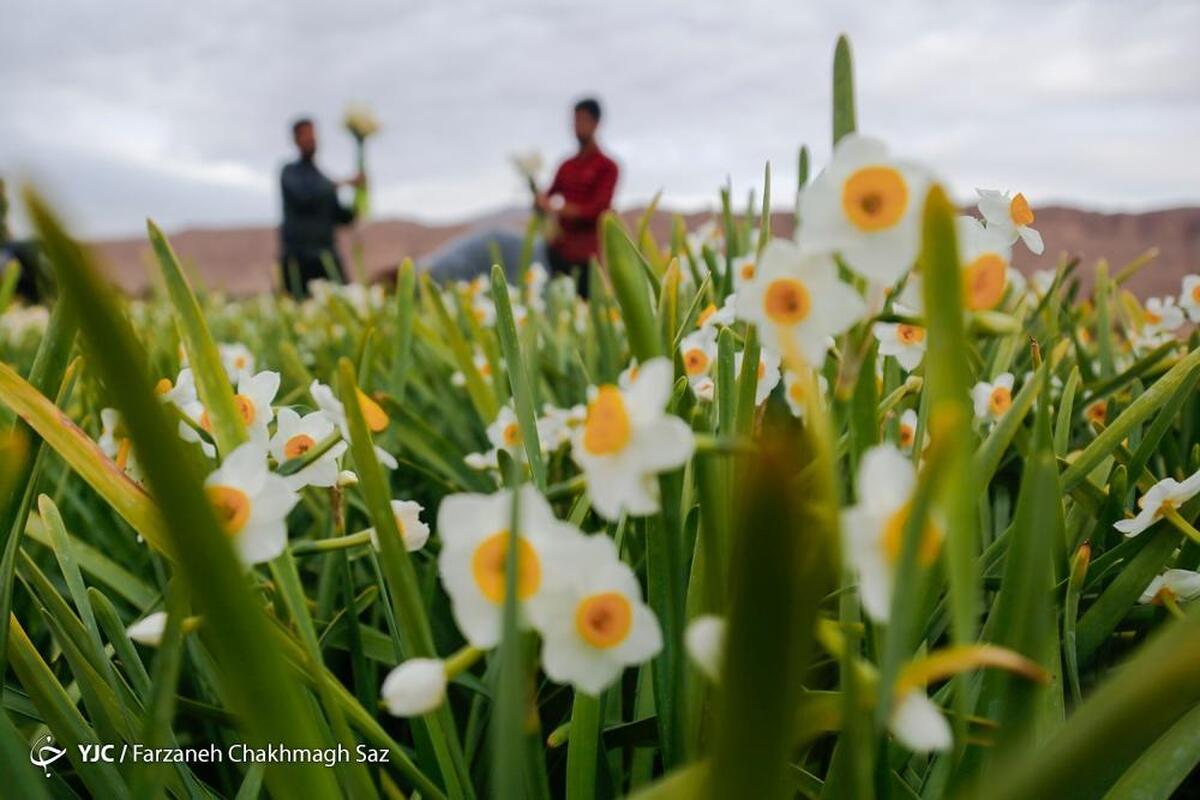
{"x": 586, "y": 183}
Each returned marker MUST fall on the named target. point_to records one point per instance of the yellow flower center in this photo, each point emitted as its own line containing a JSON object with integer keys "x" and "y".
{"x": 1097, "y": 412}
{"x": 984, "y": 281}
{"x": 695, "y": 361}
{"x": 163, "y": 386}
{"x": 747, "y": 271}
{"x": 893, "y": 537}
{"x": 711, "y": 309}
{"x": 874, "y": 198}
{"x": 232, "y": 507}
{"x": 1152, "y": 318}
{"x": 489, "y": 563}
{"x": 607, "y": 429}
{"x": 906, "y": 435}
{"x": 910, "y": 334}
{"x": 375, "y": 416}
{"x": 1196, "y": 293}
{"x": 1020, "y": 211}
{"x": 796, "y": 391}
{"x": 1000, "y": 400}
{"x": 512, "y": 434}
{"x": 245, "y": 408}
{"x": 604, "y": 620}
{"x": 239, "y": 362}
{"x": 298, "y": 445}
{"x": 762, "y": 371}
{"x": 787, "y": 301}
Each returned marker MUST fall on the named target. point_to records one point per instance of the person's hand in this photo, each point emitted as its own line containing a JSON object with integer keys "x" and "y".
{"x": 358, "y": 181}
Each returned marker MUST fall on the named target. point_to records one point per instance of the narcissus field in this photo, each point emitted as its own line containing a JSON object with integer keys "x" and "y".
{"x": 859, "y": 513}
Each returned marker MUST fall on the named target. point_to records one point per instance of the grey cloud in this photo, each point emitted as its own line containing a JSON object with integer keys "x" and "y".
{"x": 179, "y": 111}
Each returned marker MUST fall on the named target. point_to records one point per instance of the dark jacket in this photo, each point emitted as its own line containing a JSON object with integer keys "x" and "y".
{"x": 311, "y": 210}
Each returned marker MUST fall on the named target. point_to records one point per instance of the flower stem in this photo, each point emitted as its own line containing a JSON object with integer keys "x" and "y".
{"x": 1182, "y": 524}
{"x": 462, "y": 661}
{"x": 335, "y": 543}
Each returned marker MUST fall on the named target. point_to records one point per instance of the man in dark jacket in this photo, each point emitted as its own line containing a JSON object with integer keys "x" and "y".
{"x": 311, "y": 211}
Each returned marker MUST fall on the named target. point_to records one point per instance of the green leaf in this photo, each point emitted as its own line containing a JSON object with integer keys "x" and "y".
{"x": 401, "y": 577}
{"x": 1114, "y": 727}
{"x": 1145, "y": 404}
{"x": 212, "y": 383}
{"x": 843, "y": 90}
{"x": 633, "y": 292}
{"x": 518, "y": 376}
{"x": 782, "y": 567}
{"x": 260, "y": 690}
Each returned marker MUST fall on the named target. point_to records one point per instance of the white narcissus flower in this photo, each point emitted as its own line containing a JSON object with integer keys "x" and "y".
{"x": 992, "y": 400}
{"x": 985, "y": 254}
{"x": 798, "y": 301}
{"x": 413, "y": 531}
{"x": 415, "y": 687}
{"x": 251, "y": 503}
{"x": 237, "y": 360}
{"x": 705, "y": 643}
{"x": 919, "y": 725}
{"x": 628, "y": 439}
{"x": 295, "y": 436}
{"x": 768, "y": 373}
{"x": 1189, "y": 297}
{"x": 505, "y": 432}
{"x": 1161, "y": 315}
{"x": 556, "y": 424}
{"x": 874, "y": 528}
{"x": 115, "y": 443}
{"x": 908, "y": 431}
{"x": 482, "y": 461}
{"x": 711, "y": 316}
{"x": 901, "y": 340}
{"x": 1010, "y": 215}
{"x": 1182, "y": 585}
{"x": 698, "y": 351}
{"x": 1166, "y": 495}
{"x": 148, "y": 630}
{"x": 704, "y": 388}
{"x": 744, "y": 268}
{"x": 475, "y": 531}
{"x": 597, "y": 625}
{"x": 865, "y": 206}
{"x": 796, "y": 388}
{"x": 255, "y": 393}
{"x": 375, "y": 417}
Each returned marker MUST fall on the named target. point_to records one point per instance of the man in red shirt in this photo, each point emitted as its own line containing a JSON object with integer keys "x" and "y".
{"x": 582, "y": 190}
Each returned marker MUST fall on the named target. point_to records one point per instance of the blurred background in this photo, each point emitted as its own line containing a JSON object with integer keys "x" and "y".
{"x": 124, "y": 110}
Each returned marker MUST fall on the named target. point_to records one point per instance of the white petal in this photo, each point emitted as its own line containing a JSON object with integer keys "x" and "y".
{"x": 918, "y": 724}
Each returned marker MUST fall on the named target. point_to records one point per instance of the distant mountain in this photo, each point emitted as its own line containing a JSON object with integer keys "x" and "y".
{"x": 242, "y": 260}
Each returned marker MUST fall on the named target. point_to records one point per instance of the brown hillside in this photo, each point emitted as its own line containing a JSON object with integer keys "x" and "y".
{"x": 242, "y": 260}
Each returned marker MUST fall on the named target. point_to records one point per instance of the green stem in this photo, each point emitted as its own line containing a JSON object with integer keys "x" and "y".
{"x": 583, "y": 747}
{"x": 1185, "y": 527}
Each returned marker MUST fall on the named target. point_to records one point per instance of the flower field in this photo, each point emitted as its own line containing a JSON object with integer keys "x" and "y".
{"x": 860, "y": 513}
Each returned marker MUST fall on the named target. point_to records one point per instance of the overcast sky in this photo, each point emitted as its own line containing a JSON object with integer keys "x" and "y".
{"x": 180, "y": 111}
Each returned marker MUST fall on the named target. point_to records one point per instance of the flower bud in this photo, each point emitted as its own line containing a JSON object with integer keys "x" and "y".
{"x": 347, "y": 478}
{"x": 705, "y": 641}
{"x": 415, "y": 687}
{"x": 148, "y": 630}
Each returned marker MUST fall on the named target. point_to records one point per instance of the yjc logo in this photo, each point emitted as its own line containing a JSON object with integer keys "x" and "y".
{"x": 44, "y": 753}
